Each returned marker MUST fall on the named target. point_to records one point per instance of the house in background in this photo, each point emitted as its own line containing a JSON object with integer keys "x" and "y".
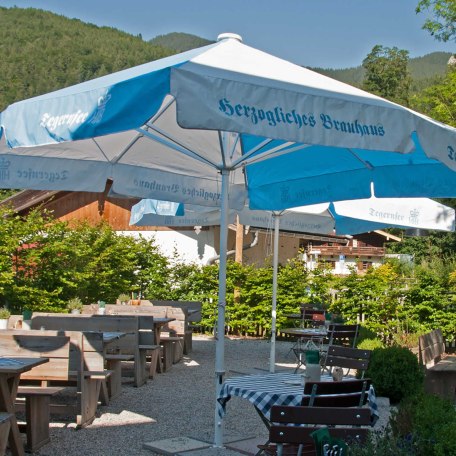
{"x": 200, "y": 244}
{"x": 360, "y": 252}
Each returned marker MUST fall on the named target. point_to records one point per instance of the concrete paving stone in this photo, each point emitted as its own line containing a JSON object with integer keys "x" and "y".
{"x": 212, "y": 452}
{"x": 175, "y": 445}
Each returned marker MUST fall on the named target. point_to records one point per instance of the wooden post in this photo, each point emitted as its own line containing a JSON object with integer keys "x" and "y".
{"x": 239, "y": 241}
{"x": 238, "y": 254}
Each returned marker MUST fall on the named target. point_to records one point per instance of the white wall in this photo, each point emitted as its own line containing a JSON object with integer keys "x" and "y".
{"x": 191, "y": 247}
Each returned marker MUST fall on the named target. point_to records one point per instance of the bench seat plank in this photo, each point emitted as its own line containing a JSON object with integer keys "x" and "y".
{"x": 440, "y": 367}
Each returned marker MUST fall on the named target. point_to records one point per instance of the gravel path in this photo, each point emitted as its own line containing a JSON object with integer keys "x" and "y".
{"x": 177, "y": 403}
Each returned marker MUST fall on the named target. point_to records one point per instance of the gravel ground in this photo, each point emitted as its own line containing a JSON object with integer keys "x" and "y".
{"x": 177, "y": 403}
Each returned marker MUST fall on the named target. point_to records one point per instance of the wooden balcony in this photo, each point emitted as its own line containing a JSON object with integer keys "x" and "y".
{"x": 348, "y": 251}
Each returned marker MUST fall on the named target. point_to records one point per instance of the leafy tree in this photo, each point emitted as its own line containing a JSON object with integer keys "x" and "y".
{"x": 44, "y": 262}
{"x": 439, "y": 101}
{"x": 443, "y": 25}
{"x": 429, "y": 302}
{"x": 387, "y": 73}
{"x": 373, "y": 297}
{"x": 6, "y": 193}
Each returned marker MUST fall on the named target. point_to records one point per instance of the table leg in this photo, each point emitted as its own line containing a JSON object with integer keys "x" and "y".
{"x": 8, "y": 392}
{"x": 157, "y": 330}
{"x": 267, "y": 423}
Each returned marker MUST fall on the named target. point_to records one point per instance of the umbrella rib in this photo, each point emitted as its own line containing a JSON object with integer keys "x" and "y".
{"x": 221, "y": 138}
{"x": 252, "y": 151}
{"x": 100, "y": 149}
{"x": 364, "y": 162}
{"x": 125, "y": 150}
{"x": 281, "y": 149}
{"x": 235, "y": 143}
{"x": 168, "y": 141}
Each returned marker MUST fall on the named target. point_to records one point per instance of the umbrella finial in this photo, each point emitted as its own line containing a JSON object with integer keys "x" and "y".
{"x": 229, "y": 36}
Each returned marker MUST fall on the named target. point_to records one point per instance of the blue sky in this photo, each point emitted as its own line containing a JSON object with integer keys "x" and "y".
{"x": 324, "y": 33}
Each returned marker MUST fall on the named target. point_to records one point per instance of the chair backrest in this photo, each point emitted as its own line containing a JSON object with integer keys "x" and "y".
{"x": 340, "y": 334}
{"x": 348, "y": 420}
{"x": 431, "y": 347}
{"x": 312, "y": 317}
{"x": 350, "y": 358}
{"x": 347, "y": 393}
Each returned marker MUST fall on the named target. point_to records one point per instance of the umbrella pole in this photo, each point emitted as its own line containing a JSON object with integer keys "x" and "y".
{"x": 275, "y": 263}
{"x": 220, "y": 334}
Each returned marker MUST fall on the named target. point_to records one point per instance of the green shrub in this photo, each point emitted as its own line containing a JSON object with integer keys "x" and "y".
{"x": 4, "y": 313}
{"x": 382, "y": 444}
{"x": 395, "y": 373}
{"x": 370, "y": 344}
{"x": 428, "y": 422}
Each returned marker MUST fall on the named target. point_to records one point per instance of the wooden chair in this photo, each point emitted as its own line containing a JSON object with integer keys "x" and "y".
{"x": 345, "y": 357}
{"x": 348, "y": 393}
{"x": 341, "y": 334}
{"x": 312, "y": 317}
{"x": 291, "y": 429}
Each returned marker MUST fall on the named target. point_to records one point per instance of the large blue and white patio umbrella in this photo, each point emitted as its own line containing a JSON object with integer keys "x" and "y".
{"x": 210, "y": 126}
{"x": 340, "y": 217}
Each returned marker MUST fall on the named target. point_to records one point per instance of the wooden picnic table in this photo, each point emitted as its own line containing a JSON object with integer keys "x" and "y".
{"x": 159, "y": 322}
{"x": 10, "y": 372}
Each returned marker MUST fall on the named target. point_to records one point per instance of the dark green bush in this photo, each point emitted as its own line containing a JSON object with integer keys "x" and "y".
{"x": 395, "y": 373}
{"x": 370, "y": 344}
{"x": 382, "y": 444}
{"x": 428, "y": 423}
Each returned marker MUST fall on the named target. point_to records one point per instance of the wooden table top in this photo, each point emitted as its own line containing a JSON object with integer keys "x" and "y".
{"x": 19, "y": 365}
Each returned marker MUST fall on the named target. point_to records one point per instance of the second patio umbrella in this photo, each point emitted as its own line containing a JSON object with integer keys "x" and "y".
{"x": 343, "y": 217}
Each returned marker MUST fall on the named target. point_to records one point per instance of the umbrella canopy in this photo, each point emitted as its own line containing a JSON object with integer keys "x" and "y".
{"x": 342, "y": 217}
{"x": 210, "y": 126}
{"x": 339, "y": 217}
{"x": 167, "y": 128}
{"x": 357, "y": 216}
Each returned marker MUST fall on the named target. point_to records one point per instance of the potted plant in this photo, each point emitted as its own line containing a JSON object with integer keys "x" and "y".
{"x": 4, "y": 316}
{"x": 101, "y": 307}
{"x": 74, "y": 305}
{"x": 123, "y": 298}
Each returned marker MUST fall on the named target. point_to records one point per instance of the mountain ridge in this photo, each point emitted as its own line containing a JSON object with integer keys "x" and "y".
{"x": 43, "y": 51}
{"x": 421, "y": 68}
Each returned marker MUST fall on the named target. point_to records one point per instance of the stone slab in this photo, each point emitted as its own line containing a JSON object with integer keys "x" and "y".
{"x": 211, "y": 452}
{"x": 247, "y": 447}
{"x": 175, "y": 445}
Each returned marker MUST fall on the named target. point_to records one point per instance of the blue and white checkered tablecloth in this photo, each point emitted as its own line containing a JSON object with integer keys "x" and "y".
{"x": 264, "y": 391}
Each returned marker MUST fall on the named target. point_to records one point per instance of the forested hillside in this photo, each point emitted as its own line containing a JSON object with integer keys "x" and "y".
{"x": 179, "y": 42}
{"x": 423, "y": 70}
{"x": 42, "y": 51}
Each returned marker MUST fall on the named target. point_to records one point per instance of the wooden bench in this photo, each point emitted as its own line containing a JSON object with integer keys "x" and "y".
{"x": 172, "y": 335}
{"x": 138, "y": 339}
{"x": 37, "y": 398}
{"x": 440, "y": 375}
{"x": 82, "y": 368}
{"x": 193, "y": 315}
{"x": 37, "y": 414}
{"x": 5, "y": 424}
